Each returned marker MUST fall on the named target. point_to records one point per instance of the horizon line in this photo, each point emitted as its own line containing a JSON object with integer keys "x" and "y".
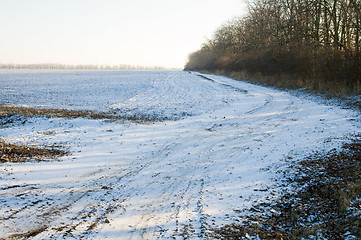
{"x": 59, "y": 66}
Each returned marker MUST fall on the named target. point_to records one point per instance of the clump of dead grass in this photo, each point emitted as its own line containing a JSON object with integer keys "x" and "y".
{"x": 16, "y": 153}
{"x": 8, "y": 114}
{"x": 49, "y": 112}
{"x": 325, "y": 201}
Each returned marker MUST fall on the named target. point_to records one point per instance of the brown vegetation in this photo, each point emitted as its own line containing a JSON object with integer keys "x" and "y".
{"x": 14, "y": 113}
{"x": 313, "y": 44}
{"x": 48, "y": 112}
{"x": 325, "y": 201}
{"x": 16, "y": 153}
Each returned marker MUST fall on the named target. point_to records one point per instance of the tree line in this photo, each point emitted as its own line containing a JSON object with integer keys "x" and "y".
{"x": 290, "y": 43}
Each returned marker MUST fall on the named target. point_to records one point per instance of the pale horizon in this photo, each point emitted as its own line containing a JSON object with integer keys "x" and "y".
{"x": 93, "y": 32}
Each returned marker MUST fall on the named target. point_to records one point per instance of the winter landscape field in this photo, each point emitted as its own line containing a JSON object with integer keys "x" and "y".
{"x": 185, "y": 152}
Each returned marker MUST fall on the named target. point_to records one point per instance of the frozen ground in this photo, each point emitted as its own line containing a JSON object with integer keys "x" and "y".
{"x": 216, "y": 156}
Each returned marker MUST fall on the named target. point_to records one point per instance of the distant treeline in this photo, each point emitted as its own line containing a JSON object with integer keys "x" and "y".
{"x": 78, "y": 67}
{"x": 312, "y": 44}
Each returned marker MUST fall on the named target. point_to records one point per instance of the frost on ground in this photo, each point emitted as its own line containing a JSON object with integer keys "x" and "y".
{"x": 214, "y": 154}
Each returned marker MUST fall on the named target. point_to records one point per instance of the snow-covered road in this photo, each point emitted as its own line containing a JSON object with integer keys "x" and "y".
{"x": 217, "y": 156}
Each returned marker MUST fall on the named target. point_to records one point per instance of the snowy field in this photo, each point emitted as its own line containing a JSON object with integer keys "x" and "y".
{"x": 215, "y": 153}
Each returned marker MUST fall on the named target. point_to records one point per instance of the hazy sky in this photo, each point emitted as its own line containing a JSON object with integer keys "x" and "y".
{"x": 136, "y": 32}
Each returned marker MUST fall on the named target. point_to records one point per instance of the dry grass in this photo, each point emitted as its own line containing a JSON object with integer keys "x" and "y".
{"x": 27, "y": 235}
{"x": 57, "y": 113}
{"x": 325, "y": 201}
{"x": 8, "y": 114}
{"x": 343, "y": 93}
{"x": 16, "y": 153}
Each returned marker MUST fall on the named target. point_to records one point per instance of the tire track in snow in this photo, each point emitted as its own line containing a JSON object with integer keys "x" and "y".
{"x": 89, "y": 212}
{"x": 106, "y": 194}
{"x": 92, "y": 214}
{"x": 49, "y": 209}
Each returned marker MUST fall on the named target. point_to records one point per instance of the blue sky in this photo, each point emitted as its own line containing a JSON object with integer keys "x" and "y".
{"x": 136, "y": 32}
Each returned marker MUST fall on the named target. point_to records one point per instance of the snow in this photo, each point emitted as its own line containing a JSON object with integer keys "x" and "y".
{"x": 216, "y": 155}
